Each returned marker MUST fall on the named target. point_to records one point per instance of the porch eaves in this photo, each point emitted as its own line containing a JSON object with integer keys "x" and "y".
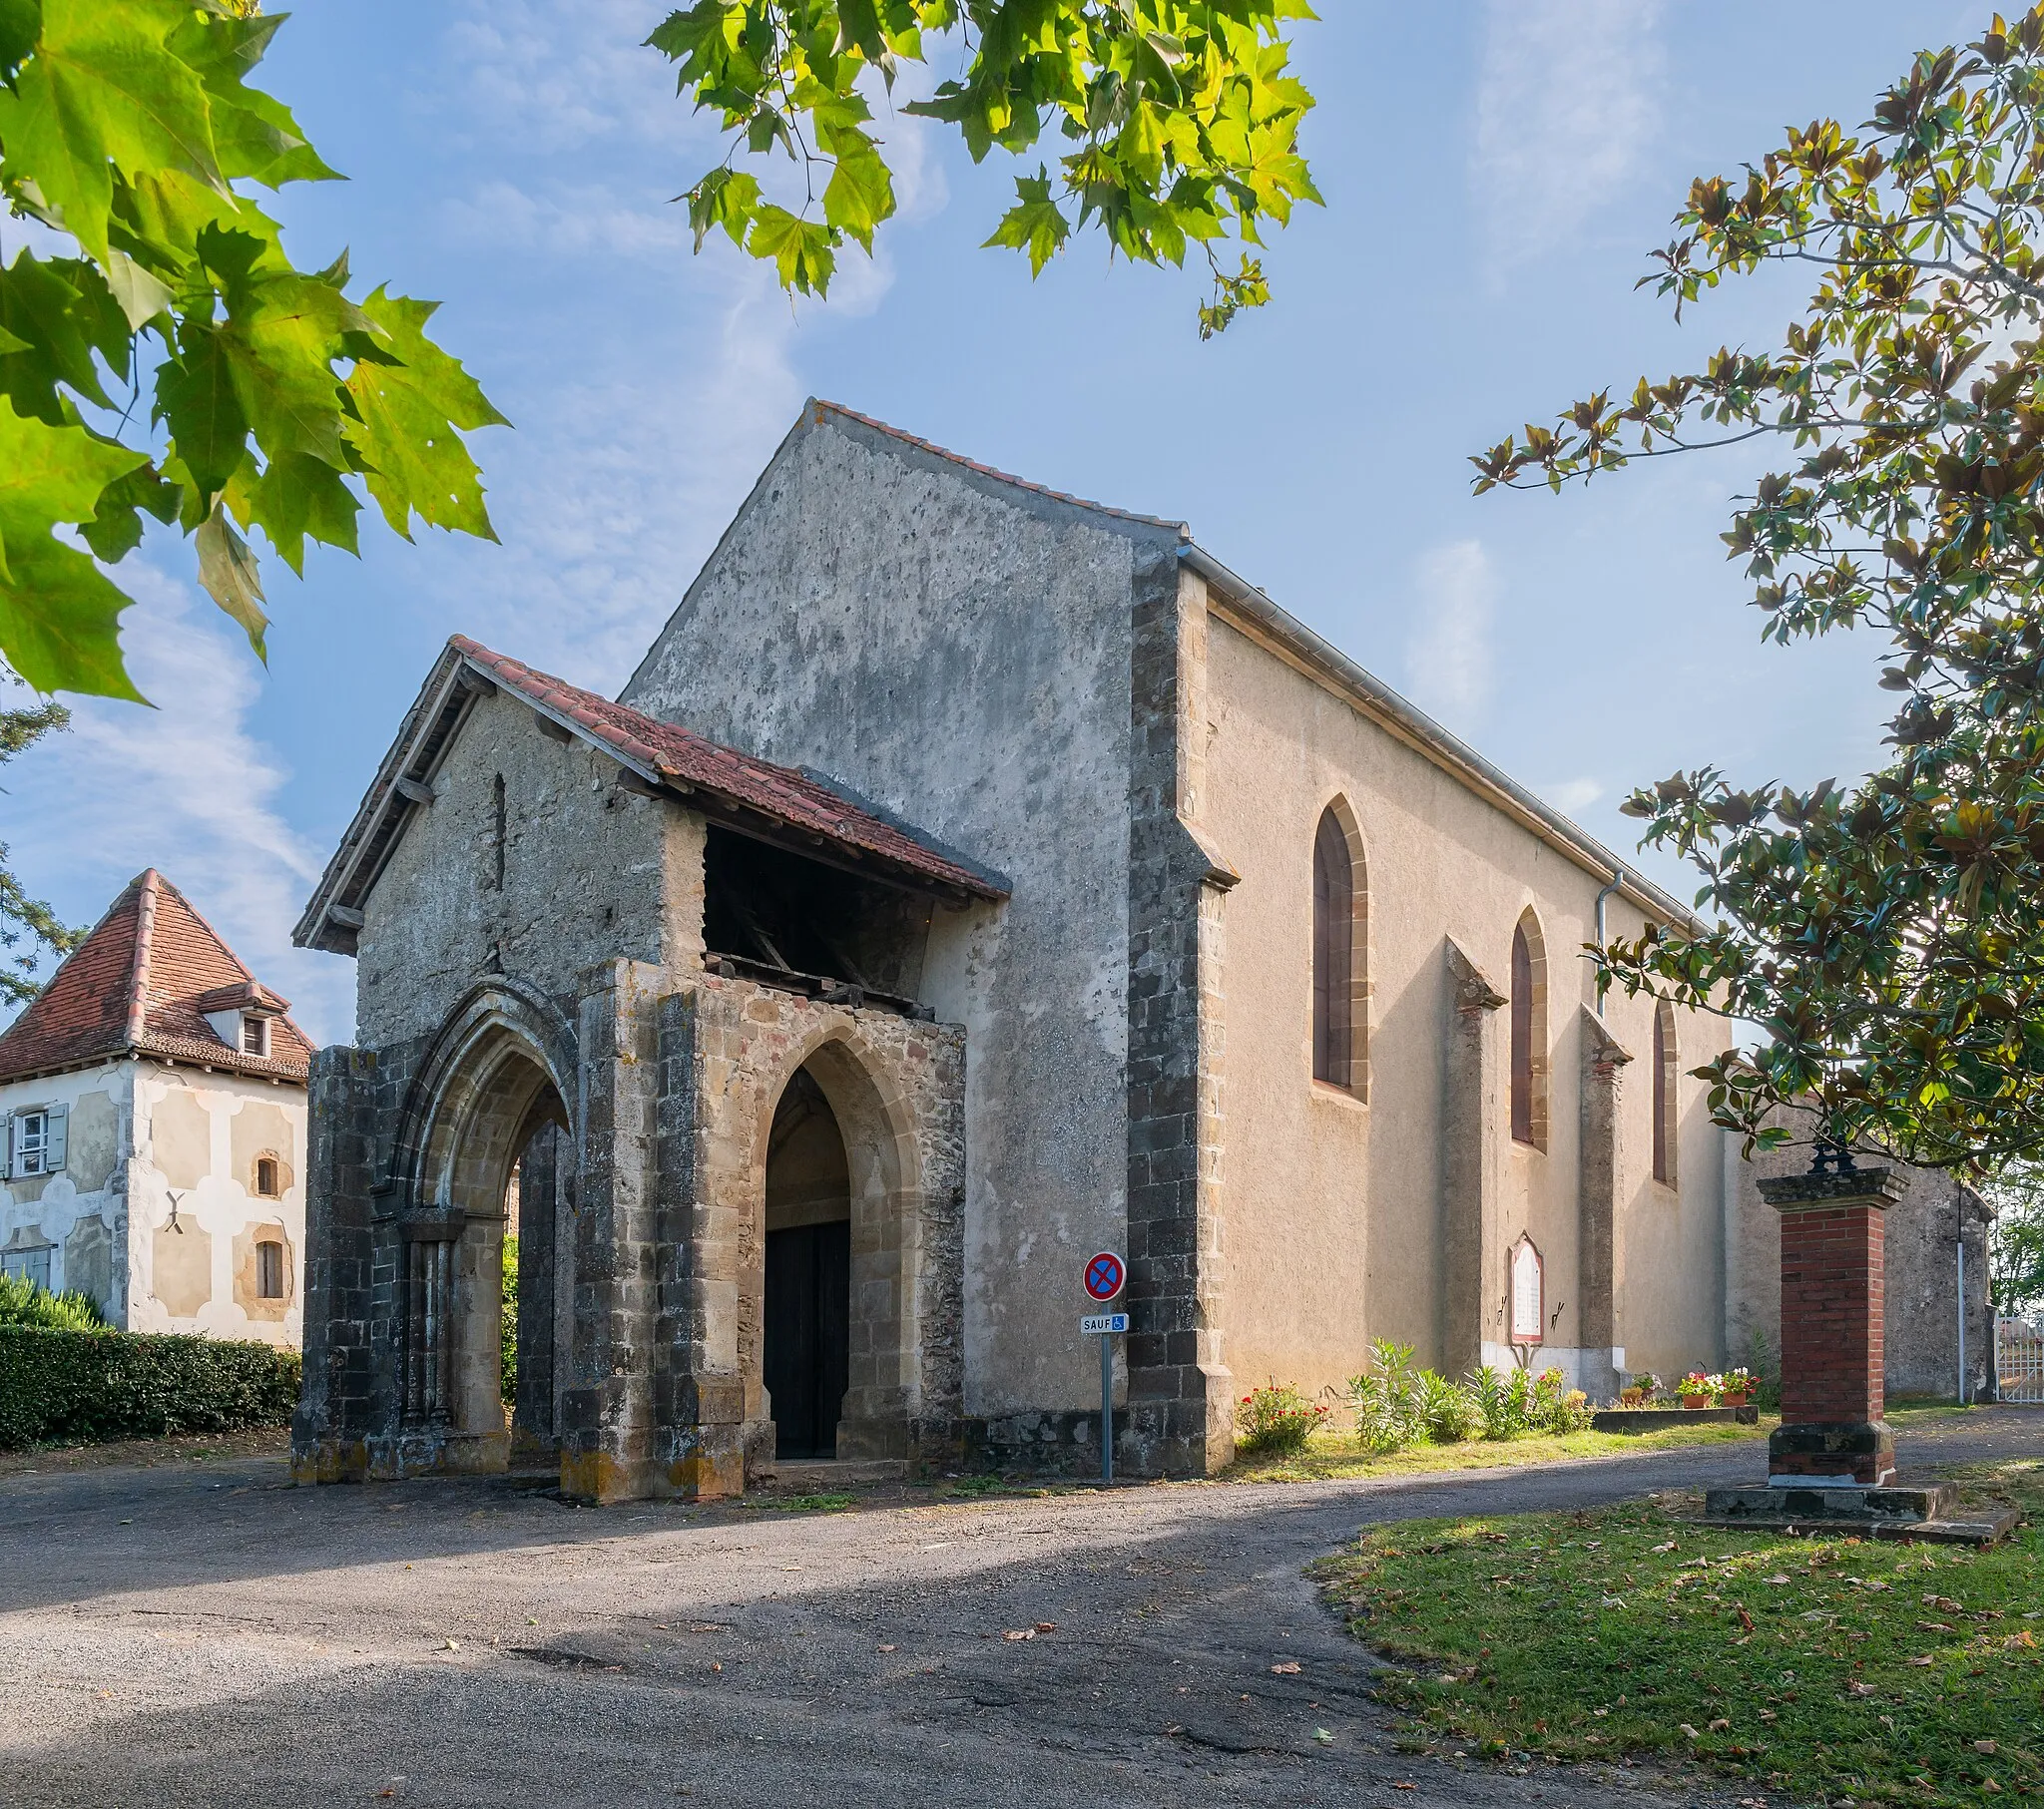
{"x": 795, "y": 809}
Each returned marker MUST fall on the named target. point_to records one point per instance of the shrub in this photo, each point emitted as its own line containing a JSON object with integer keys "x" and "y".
{"x": 84, "y": 1386}
{"x": 1276, "y": 1420}
{"x": 507, "y": 1379}
{"x": 1389, "y": 1399}
{"x": 23, "y": 1303}
{"x": 1502, "y": 1402}
{"x": 1450, "y": 1410}
{"x": 1555, "y": 1406}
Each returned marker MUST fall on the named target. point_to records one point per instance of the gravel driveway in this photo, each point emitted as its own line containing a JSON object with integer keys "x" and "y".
{"x": 213, "y": 1635}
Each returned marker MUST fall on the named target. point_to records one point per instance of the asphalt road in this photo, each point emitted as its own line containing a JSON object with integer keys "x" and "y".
{"x": 210, "y": 1635}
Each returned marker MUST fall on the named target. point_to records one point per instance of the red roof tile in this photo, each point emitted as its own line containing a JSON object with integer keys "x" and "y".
{"x": 778, "y": 792}
{"x": 141, "y": 983}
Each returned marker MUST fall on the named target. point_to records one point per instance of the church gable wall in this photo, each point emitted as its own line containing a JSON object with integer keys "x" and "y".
{"x": 958, "y": 650}
{"x": 531, "y": 860}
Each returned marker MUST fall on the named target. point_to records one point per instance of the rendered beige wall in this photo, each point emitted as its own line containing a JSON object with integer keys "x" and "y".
{"x": 1330, "y": 1206}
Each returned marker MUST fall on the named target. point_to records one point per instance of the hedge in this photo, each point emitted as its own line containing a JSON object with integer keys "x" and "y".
{"x": 59, "y": 1386}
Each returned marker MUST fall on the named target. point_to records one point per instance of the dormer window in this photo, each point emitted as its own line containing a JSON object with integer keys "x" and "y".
{"x": 254, "y": 1036}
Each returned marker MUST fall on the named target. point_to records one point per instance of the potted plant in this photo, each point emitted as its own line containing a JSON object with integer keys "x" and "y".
{"x": 1699, "y": 1390}
{"x": 1738, "y": 1389}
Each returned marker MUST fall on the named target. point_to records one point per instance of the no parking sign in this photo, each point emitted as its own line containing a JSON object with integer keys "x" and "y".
{"x": 1105, "y": 1275}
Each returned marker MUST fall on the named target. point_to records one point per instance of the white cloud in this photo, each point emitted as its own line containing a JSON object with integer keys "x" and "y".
{"x": 614, "y": 489}
{"x": 1572, "y": 796}
{"x": 185, "y": 788}
{"x": 1449, "y": 666}
{"x": 1568, "y": 94}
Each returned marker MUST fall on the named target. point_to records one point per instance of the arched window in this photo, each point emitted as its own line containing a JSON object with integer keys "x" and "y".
{"x": 1664, "y": 1071}
{"x": 1340, "y": 954}
{"x": 1529, "y": 1034}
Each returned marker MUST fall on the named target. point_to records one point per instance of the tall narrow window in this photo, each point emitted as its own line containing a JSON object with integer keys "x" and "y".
{"x": 270, "y": 1270}
{"x": 1529, "y": 1034}
{"x": 499, "y": 826}
{"x": 1333, "y": 952}
{"x": 1664, "y": 1071}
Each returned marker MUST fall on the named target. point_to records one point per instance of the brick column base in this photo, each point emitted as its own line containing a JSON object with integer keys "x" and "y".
{"x": 1834, "y": 1285}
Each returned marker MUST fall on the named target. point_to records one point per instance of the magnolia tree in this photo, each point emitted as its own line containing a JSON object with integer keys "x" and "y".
{"x": 1178, "y": 121}
{"x": 1885, "y": 936}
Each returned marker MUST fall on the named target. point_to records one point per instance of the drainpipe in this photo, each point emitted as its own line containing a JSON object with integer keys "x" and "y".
{"x": 1617, "y": 880}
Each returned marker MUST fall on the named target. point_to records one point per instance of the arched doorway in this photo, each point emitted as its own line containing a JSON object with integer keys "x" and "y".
{"x": 806, "y": 1347}
{"x": 497, "y": 1113}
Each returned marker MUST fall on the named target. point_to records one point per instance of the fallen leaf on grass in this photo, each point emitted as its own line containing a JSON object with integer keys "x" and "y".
{"x": 1778, "y": 1579}
{"x": 1935, "y": 1627}
{"x": 1860, "y": 1690}
{"x": 1689, "y": 1733}
{"x": 1668, "y": 1547}
{"x": 1720, "y": 1725}
{"x": 1986, "y": 1746}
{"x": 1920, "y": 1664}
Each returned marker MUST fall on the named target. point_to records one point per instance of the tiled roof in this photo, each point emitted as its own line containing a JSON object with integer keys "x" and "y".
{"x": 820, "y": 408}
{"x": 141, "y": 983}
{"x": 780, "y": 793}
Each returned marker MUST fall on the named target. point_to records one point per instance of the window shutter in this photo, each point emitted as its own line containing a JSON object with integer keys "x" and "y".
{"x": 56, "y": 1138}
{"x": 10, "y": 1146}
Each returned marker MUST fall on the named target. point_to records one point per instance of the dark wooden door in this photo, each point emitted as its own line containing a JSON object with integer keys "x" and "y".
{"x": 808, "y": 1335}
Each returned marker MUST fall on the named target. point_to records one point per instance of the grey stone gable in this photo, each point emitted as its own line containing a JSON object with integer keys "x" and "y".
{"x": 821, "y": 417}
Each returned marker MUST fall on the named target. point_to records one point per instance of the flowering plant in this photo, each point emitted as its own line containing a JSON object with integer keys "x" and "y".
{"x": 1738, "y": 1381}
{"x": 1277, "y": 1419}
{"x": 1695, "y": 1386}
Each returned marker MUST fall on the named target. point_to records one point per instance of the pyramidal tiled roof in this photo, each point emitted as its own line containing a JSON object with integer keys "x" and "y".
{"x": 141, "y": 983}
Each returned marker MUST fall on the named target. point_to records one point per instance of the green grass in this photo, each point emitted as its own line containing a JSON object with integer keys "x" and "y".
{"x": 1334, "y": 1454}
{"x": 1831, "y": 1669}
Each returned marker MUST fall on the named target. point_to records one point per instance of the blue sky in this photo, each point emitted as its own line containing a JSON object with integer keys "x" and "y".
{"x": 1495, "y": 172}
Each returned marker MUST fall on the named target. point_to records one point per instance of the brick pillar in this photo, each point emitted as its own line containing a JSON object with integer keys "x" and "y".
{"x": 1833, "y": 1427}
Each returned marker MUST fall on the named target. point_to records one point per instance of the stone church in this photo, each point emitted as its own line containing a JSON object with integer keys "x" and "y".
{"x": 970, "y": 878}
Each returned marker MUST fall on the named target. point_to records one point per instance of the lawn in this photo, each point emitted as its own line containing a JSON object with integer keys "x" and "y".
{"x": 1336, "y": 1454}
{"x": 1834, "y": 1669}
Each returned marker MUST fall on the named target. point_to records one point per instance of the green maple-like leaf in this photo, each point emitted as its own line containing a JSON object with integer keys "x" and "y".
{"x": 59, "y": 615}
{"x": 407, "y": 413}
{"x": 102, "y": 92}
{"x": 1034, "y": 224}
{"x": 799, "y": 248}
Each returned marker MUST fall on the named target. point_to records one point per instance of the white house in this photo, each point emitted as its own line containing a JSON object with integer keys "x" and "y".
{"x": 153, "y": 1121}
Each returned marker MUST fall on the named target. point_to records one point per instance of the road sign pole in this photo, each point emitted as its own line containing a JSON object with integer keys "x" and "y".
{"x": 1107, "y": 1407}
{"x": 1104, "y": 1276}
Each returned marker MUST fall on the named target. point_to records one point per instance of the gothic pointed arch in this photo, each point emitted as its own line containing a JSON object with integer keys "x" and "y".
{"x": 1340, "y": 957}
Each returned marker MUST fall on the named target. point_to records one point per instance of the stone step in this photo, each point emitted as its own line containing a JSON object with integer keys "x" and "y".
{"x": 828, "y": 1476}
{"x": 1917, "y": 1510}
{"x": 1895, "y": 1500}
